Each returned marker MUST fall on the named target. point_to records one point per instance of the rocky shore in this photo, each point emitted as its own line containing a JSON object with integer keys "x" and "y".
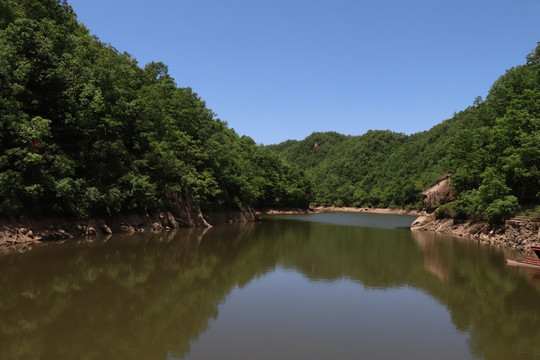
{"x": 21, "y": 230}
{"x": 26, "y": 230}
{"x": 517, "y": 233}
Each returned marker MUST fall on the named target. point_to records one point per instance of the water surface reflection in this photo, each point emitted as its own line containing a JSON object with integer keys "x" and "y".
{"x": 278, "y": 289}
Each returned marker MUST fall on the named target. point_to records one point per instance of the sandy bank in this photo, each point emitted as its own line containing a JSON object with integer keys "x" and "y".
{"x": 368, "y": 210}
{"x": 320, "y": 209}
{"x": 285, "y": 211}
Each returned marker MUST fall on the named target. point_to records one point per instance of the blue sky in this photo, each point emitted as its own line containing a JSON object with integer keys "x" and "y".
{"x": 277, "y": 70}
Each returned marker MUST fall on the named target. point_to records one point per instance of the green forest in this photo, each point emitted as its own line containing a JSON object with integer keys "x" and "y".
{"x": 85, "y": 130}
{"x": 491, "y": 150}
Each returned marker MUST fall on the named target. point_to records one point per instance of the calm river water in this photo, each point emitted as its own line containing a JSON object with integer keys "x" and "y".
{"x": 321, "y": 286}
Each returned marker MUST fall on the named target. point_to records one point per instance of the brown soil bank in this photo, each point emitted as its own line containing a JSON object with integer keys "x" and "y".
{"x": 369, "y": 210}
{"x": 18, "y": 230}
{"x": 319, "y": 209}
{"x": 272, "y": 211}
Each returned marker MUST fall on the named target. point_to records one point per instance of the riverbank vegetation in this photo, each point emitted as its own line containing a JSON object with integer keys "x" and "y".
{"x": 85, "y": 130}
{"x": 491, "y": 150}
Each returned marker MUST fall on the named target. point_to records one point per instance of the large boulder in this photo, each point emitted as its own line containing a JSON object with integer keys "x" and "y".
{"x": 438, "y": 194}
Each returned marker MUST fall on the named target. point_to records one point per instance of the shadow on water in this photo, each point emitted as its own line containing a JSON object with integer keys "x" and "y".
{"x": 150, "y": 295}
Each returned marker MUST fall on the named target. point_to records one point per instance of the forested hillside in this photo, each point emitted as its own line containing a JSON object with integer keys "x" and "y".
{"x": 491, "y": 150}
{"x": 85, "y": 130}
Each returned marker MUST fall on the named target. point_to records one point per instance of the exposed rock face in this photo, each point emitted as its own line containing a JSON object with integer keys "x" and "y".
{"x": 23, "y": 230}
{"x": 438, "y": 194}
{"x": 422, "y": 221}
{"x": 518, "y": 233}
{"x": 184, "y": 213}
{"x": 230, "y": 217}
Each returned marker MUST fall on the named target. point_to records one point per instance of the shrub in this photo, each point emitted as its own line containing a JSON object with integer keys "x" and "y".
{"x": 447, "y": 210}
{"x": 502, "y": 209}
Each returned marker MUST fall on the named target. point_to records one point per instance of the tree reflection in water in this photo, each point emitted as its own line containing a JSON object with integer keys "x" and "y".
{"x": 152, "y": 295}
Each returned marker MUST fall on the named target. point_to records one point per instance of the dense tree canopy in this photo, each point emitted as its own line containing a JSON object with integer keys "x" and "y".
{"x": 85, "y": 130}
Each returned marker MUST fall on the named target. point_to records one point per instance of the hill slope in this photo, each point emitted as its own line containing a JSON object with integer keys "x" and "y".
{"x": 491, "y": 150}
{"x": 85, "y": 131}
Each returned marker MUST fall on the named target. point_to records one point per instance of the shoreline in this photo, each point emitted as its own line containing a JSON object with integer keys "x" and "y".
{"x": 392, "y": 211}
{"x": 30, "y": 230}
{"x": 320, "y": 209}
{"x": 519, "y": 233}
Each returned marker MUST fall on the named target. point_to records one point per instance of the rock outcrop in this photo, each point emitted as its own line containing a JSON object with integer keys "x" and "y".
{"x": 438, "y": 194}
{"x": 16, "y": 230}
{"x": 230, "y": 217}
{"x": 518, "y": 233}
{"x": 184, "y": 213}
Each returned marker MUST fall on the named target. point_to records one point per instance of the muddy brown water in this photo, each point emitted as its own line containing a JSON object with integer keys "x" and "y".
{"x": 319, "y": 286}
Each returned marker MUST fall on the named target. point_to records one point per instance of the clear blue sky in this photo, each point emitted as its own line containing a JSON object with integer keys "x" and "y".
{"x": 281, "y": 69}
